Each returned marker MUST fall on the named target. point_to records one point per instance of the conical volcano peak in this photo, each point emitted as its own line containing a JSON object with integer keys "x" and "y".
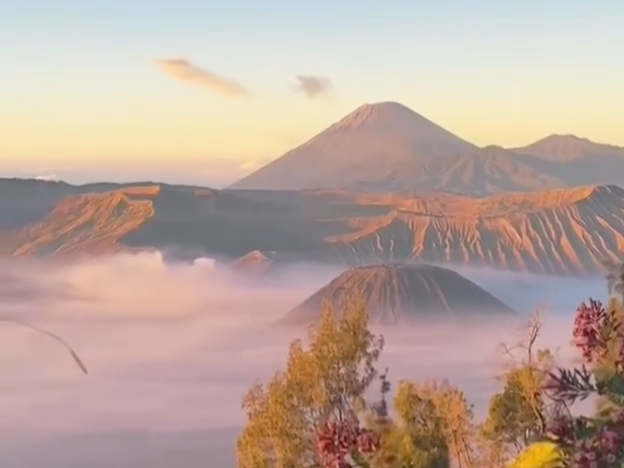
{"x": 402, "y": 293}
{"x": 381, "y": 114}
{"x": 381, "y": 111}
{"x": 377, "y": 147}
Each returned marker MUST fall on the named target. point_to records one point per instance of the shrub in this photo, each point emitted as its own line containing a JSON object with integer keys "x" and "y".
{"x": 598, "y": 441}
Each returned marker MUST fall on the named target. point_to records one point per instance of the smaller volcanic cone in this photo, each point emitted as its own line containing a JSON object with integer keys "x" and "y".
{"x": 404, "y": 293}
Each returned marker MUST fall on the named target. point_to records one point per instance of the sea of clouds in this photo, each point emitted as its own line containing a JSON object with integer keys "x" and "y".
{"x": 171, "y": 349}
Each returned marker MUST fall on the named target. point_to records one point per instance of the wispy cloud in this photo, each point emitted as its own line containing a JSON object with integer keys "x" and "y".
{"x": 253, "y": 164}
{"x": 48, "y": 177}
{"x": 313, "y": 87}
{"x": 187, "y": 72}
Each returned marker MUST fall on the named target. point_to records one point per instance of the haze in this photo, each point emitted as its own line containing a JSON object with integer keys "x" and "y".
{"x": 171, "y": 348}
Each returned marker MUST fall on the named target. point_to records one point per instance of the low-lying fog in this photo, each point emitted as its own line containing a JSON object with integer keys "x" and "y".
{"x": 172, "y": 348}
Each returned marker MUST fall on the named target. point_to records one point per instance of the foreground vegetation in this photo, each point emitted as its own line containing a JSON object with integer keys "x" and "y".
{"x": 314, "y": 413}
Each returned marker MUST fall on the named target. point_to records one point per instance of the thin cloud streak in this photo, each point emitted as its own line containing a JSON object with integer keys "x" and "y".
{"x": 187, "y": 72}
{"x": 313, "y": 87}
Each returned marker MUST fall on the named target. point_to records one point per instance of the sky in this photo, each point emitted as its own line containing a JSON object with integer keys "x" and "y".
{"x": 205, "y": 91}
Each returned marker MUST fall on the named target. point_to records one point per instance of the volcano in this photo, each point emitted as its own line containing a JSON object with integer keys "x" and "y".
{"x": 404, "y": 293}
{"x": 377, "y": 147}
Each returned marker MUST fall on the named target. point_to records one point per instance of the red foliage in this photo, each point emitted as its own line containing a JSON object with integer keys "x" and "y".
{"x": 337, "y": 440}
{"x": 589, "y": 442}
{"x": 589, "y": 327}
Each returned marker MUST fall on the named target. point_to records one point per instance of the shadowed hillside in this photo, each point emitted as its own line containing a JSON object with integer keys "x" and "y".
{"x": 403, "y": 293}
{"x": 560, "y": 231}
{"x": 489, "y": 170}
{"x": 28, "y": 200}
{"x": 90, "y": 222}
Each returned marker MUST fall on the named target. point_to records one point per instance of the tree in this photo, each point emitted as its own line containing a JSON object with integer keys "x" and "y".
{"x": 379, "y": 421}
{"x": 418, "y": 438}
{"x": 510, "y": 416}
{"x": 521, "y": 411}
{"x": 433, "y": 426}
{"x": 615, "y": 281}
{"x": 453, "y": 412}
{"x": 309, "y": 415}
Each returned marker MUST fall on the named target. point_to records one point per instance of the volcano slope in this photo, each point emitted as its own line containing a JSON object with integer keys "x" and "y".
{"x": 399, "y": 293}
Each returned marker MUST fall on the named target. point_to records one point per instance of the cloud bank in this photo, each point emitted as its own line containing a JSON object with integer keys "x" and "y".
{"x": 313, "y": 87}
{"x": 190, "y": 73}
{"x": 172, "y": 347}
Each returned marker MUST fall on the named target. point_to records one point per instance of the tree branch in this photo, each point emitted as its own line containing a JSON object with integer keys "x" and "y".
{"x": 56, "y": 338}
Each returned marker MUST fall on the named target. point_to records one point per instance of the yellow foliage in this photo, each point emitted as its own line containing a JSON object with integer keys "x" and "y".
{"x": 325, "y": 381}
{"x": 539, "y": 455}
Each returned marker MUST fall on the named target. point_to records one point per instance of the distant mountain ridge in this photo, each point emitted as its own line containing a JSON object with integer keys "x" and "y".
{"x": 386, "y": 147}
{"x": 562, "y": 231}
{"x": 577, "y": 161}
{"x": 564, "y": 148}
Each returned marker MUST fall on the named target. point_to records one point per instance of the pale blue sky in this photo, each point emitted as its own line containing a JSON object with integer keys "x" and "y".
{"x": 79, "y": 87}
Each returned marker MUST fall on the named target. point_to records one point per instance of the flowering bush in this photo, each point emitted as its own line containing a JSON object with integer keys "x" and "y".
{"x": 593, "y": 442}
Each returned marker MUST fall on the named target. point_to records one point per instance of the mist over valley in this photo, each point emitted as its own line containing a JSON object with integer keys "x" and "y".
{"x": 172, "y": 347}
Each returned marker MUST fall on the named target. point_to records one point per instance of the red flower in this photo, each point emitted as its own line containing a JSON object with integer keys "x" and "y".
{"x": 589, "y": 326}
{"x": 336, "y": 440}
